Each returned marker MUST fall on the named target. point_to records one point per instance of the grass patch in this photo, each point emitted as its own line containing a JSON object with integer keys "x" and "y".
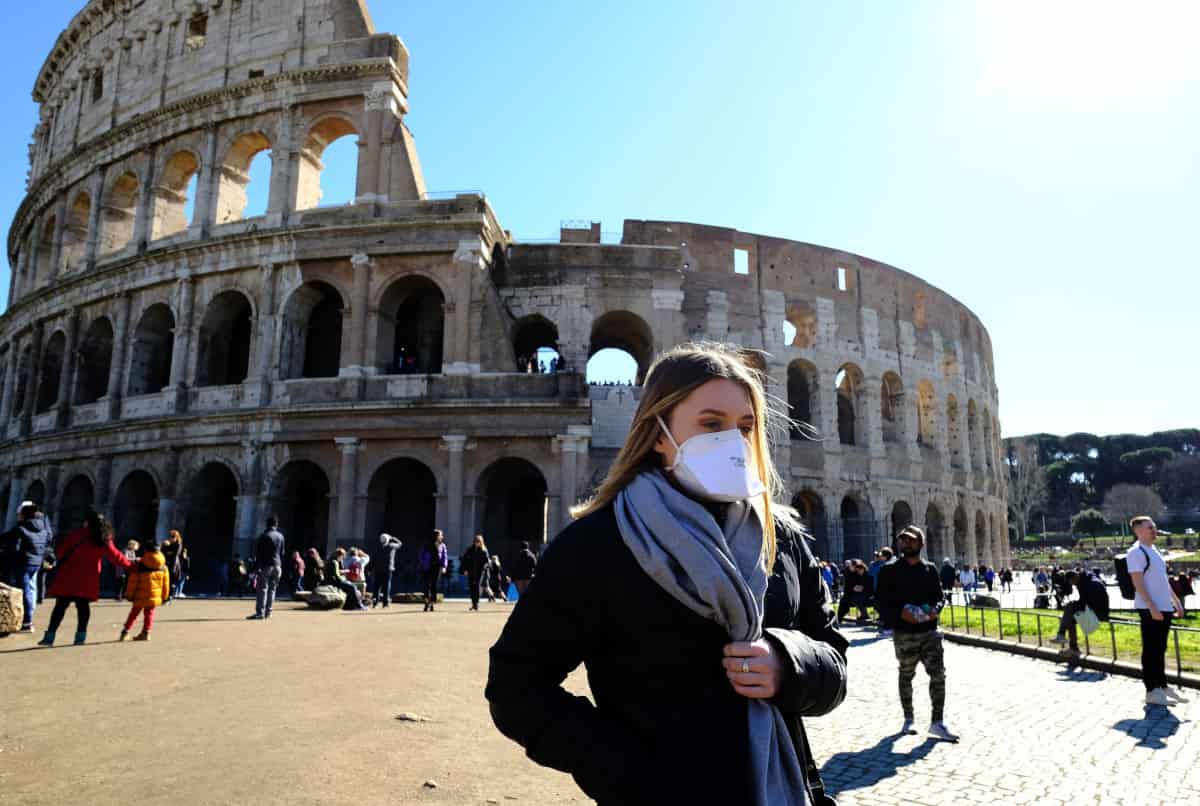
{"x": 994, "y": 624}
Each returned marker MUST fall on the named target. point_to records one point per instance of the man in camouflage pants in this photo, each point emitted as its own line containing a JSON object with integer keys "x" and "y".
{"x": 910, "y": 602}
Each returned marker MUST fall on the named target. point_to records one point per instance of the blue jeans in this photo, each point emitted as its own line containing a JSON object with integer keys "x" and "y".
{"x": 268, "y": 581}
{"x": 383, "y": 584}
{"x": 28, "y": 594}
{"x": 183, "y": 578}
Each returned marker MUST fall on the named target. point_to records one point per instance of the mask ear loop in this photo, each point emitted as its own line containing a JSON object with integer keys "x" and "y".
{"x": 674, "y": 444}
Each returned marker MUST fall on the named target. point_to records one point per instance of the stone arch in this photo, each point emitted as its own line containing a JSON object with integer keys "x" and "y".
{"x": 152, "y": 351}
{"x": 803, "y": 395}
{"x": 209, "y": 508}
{"x": 324, "y": 131}
{"x": 300, "y": 494}
{"x": 860, "y": 533}
{"x": 226, "y": 333}
{"x": 94, "y": 362}
{"x": 24, "y": 366}
{"x": 962, "y": 535}
{"x": 45, "y": 251}
{"x": 310, "y": 339}
{"x": 135, "y": 507}
{"x": 812, "y": 514}
{"x": 35, "y": 491}
{"x": 402, "y": 501}
{"x": 935, "y": 533}
{"x": 902, "y": 516}
{"x": 234, "y": 175}
{"x": 171, "y": 194}
{"x": 532, "y": 334}
{"x": 954, "y": 432}
{"x": 51, "y": 372}
{"x": 851, "y": 398}
{"x": 803, "y": 321}
{"x": 75, "y": 232}
{"x": 625, "y": 331}
{"x": 118, "y": 212}
{"x": 412, "y": 324}
{"x": 891, "y": 407}
{"x": 926, "y": 414}
{"x": 512, "y": 505}
{"x": 982, "y": 554}
{"x": 78, "y": 496}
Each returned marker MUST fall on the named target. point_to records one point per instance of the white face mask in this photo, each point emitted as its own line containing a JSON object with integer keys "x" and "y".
{"x": 716, "y": 467}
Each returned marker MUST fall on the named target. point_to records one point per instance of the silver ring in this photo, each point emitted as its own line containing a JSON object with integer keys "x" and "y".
{"x": 745, "y": 667}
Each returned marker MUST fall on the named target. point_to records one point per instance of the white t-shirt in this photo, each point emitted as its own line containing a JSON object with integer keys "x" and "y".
{"x": 1155, "y": 579}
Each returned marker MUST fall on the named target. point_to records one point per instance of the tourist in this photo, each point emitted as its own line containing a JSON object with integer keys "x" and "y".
{"x": 1155, "y": 603}
{"x": 496, "y": 581}
{"x": 77, "y": 580}
{"x": 524, "y": 568}
{"x": 910, "y": 602}
{"x": 148, "y": 587}
{"x": 335, "y": 575}
{"x": 1062, "y": 588}
{"x": 948, "y": 577}
{"x": 1092, "y": 595}
{"x": 858, "y": 592}
{"x": 296, "y": 572}
{"x": 28, "y": 541}
{"x": 989, "y": 577}
{"x": 881, "y": 559}
{"x": 239, "y": 575}
{"x": 185, "y": 569}
{"x": 432, "y": 563}
{"x": 694, "y": 604}
{"x": 473, "y": 564}
{"x": 357, "y": 561}
{"x": 268, "y": 564}
{"x": 170, "y": 550}
{"x": 132, "y": 548}
{"x": 314, "y": 571}
{"x": 1181, "y": 584}
{"x": 966, "y": 578}
{"x": 1006, "y": 580}
{"x": 826, "y": 576}
{"x": 384, "y": 569}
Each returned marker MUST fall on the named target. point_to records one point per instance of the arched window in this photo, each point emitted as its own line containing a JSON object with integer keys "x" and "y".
{"x": 117, "y": 214}
{"x": 891, "y": 407}
{"x": 209, "y": 515}
{"x": 95, "y": 361}
{"x": 45, "y": 252}
{"x": 300, "y": 499}
{"x": 982, "y": 552}
{"x": 535, "y": 345}
{"x": 902, "y": 516}
{"x": 225, "y": 335}
{"x": 412, "y": 324}
{"x": 328, "y": 165}
{"x": 860, "y": 532}
{"x": 77, "y": 498}
{"x": 511, "y": 507}
{"x": 21, "y": 386}
{"x": 812, "y": 515}
{"x": 962, "y": 535}
{"x": 75, "y": 233}
{"x": 174, "y": 195}
{"x": 48, "y": 384}
{"x": 802, "y": 393}
{"x": 402, "y": 501}
{"x": 926, "y": 414}
{"x": 238, "y": 174}
{"x": 152, "y": 351}
{"x": 954, "y": 432}
{"x": 311, "y": 339}
{"x": 935, "y": 533}
{"x": 849, "y": 384}
{"x": 627, "y": 333}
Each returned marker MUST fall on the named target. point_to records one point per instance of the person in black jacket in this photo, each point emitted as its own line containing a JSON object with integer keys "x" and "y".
{"x": 473, "y": 563}
{"x": 1092, "y": 594}
{"x": 858, "y": 592}
{"x": 268, "y": 563}
{"x": 524, "y": 567}
{"x": 910, "y": 602}
{"x": 680, "y": 698}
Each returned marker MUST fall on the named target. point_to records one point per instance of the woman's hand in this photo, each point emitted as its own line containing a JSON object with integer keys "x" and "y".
{"x": 764, "y": 675}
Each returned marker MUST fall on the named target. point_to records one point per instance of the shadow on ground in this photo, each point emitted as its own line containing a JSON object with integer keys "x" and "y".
{"x": 1153, "y": 729}
{"x": 872, "y": 765}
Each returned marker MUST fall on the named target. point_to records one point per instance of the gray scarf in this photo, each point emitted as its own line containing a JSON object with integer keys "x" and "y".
{"x": 718, "y": 573}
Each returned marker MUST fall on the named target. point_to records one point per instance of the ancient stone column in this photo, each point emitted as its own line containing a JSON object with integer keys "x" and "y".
{"x": 179, "y": 354}
{"x": 347, "y": 478}
{"x": 96, "y": 193}
{"x": 50, "y": 505}
{"x": 31, "y": 385}
{"x": 63, "y": 415}
{"x": 167, "y": 496}
{"x": 263, "y": 361}
{"x": 144, "y": 210}
{"x": 10, "y": 381}
{"x": 872, "y": 417}
{"x": 568, "y": 445}
{"x": 14, "y": 497}
{"x": 833, "y": 527}
{"x": 206, "y": 186}
{"x": 116, "y": 372}
{"x": 247, "y": 499}
{"x": 60, "y": 226}
{"x": 103, "y": 485}
{"x": 357, "y": 348}
{"x": 456, "y": 537}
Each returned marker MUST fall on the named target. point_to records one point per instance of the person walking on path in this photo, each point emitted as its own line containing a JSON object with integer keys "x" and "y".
{"x": 949, "y": 577}
{"x": 910, "y": 602}
{"x": 496, "y": 581}
{"x": 473, "y": 563}
{"x": 524, "y": 568}
{"x": 77, "y": 580}
{"x": 148, "y": 586}
{"x": 132, "y": 548}
{"x": 1093, "y": 595}
{"x": 171, "y": 549}
{"x": 385, "y": 567}
{"x": 432, "y": 563}
{"x": 268, "y": 562}
{"x": 1156, "y": 603}
{"x": 694, "y": 603}
{"x": 966, "y": 578}
{"x": 28, "y": 541}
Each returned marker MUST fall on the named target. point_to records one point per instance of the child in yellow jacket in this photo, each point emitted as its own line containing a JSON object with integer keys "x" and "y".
{"x": 148, "y": 587}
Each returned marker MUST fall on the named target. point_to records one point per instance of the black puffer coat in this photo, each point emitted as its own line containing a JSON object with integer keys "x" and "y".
{"x": 667, "y": 727}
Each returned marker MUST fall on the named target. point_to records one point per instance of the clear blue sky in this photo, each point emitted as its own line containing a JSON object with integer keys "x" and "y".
{"x": 1039, "y": 161}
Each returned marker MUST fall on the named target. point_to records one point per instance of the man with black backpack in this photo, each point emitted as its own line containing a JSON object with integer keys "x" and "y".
{"x": 1156, "y": 603}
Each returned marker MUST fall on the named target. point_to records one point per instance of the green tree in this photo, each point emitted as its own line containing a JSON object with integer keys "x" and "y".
{"x": 1124, "y": 501}
{"x": 1142, "y": 466}
{"x": 1090, "y": 522}
{"x": 1179, "y": 482}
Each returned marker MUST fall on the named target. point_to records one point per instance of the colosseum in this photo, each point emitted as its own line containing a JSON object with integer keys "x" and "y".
{"x": 180, "y": 361}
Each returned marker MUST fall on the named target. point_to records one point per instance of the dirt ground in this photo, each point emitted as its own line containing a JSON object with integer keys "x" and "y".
{"x": 300, "y": 709}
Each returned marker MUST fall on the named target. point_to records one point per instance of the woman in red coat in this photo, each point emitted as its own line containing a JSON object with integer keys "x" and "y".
{"x": 77, "y": 578}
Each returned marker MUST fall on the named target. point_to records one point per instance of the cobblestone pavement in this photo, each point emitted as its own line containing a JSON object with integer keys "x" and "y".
{"x": 1032, "y": 732}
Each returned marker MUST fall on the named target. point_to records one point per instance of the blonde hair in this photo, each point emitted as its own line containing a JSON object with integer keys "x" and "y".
{"x": 675, "y": 375}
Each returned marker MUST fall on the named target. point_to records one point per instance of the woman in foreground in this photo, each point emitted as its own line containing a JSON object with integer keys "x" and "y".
{"x": 694, "y": 604}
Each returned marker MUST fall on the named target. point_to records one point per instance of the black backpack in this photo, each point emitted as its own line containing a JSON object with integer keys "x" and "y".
{"x": 1124, "y": 580}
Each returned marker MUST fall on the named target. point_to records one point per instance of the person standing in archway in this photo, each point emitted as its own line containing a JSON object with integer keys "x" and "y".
{"x": 432, "y": 563}
{"x": 473, "y": 564}
{"x": 384, "y": 569}
{"x": 77, "y": 580}
{"x": 524, "y": 568}
{"x": 268, "y": 563}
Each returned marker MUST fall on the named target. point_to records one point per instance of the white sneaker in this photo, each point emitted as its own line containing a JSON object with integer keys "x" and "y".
{"x": 1173, "y": 695}
{"x": 1157, "y": 696}
{"x": 938, "y": 730}
{"x": 907, "y": 728}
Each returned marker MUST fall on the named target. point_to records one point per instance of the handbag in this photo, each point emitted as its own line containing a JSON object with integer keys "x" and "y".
{"x": 1088, "y": 621}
